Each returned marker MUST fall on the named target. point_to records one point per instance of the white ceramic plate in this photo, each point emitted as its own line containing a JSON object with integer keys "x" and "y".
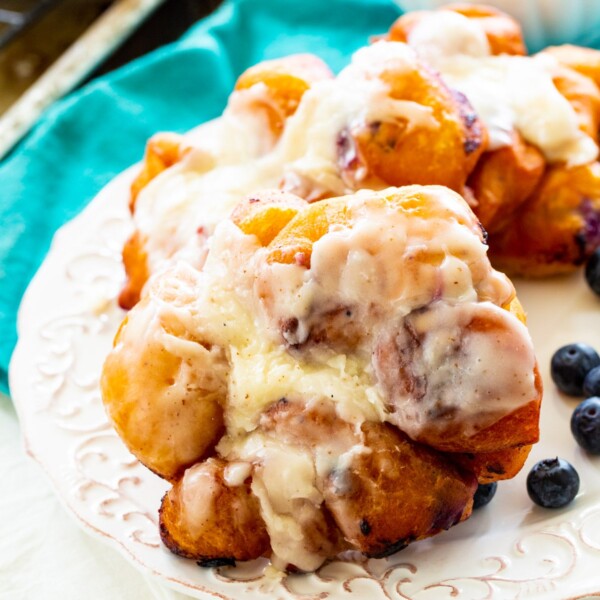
{"x": 510, "y": 549}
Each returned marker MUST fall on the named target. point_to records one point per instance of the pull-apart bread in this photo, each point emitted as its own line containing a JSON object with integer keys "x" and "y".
{"x": 386, "y": 119}
{"x": 337, "y": 375}
{"x": 447, "y": 97}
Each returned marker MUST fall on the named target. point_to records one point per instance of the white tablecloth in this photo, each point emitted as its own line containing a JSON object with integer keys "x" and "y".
{"x": 43, "y": 553}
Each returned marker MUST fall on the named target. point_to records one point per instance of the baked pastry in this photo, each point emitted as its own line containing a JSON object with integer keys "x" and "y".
{"x": 338, "y": 375}
{"x": 542, "y": 114}
{"x": 502, "y": 32}
{"x": 387, "y": 119}
{"x": 264, "y": 97}
{"x": 557, "y": 227}
{"x": 447, "y": 97}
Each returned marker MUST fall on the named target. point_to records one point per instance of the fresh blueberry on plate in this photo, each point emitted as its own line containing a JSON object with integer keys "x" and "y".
{"x": 569, "y": 366}
{"x": 585, "y": 425}
{"x": 484, "y": 494}
{"x": 591, "y": 383}
{"x": 552, "y": 483}
{"x": 592, "y": 271}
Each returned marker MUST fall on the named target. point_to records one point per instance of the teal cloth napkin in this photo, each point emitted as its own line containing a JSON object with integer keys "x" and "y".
{"x": 83, "y": 141}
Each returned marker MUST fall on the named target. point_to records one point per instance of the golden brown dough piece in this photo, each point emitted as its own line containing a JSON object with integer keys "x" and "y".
{"x": 502, "y": 31}
{"x": 583, "y": 60}
{"x": 386, "y": 480}
{"x": 274, "y": 87}
{"x": 558, "y": 227}
{"x": 389, "y": 494}
{"x": 266, "y": 214}
{"x": 285, "y": 80}
{"x": 583, "y": 95}
{"x": 503, "y": 180}
{"x": 541, "y": 219}
{"x": 404, "y": 126}
{"x": 502, "y": 187}
{"x": 135, "y": 261}
{"x": 403, "y": 151}
{"x": 204, "y": 518}
{"x": 162, "y": 388}
{"x": 295, "y": 243}
{"x": 163, "y": 150}
{"x": 395, "y": 365}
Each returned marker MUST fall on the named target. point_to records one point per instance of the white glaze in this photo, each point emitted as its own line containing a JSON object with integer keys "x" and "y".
{"x": 284, "y": 482}
{"x": 471, "y": 377}
{"x": 178, "y": 210}
{"x": 439, "y": 255}
{"x": 448, "y": 33}
{"x": 235, "y": 473}
{"x": 508, "y": 92}
{"x": 198, "y": 492}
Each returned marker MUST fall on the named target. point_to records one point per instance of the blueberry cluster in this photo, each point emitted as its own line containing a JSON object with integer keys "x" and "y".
{"x": 575, "y": 369}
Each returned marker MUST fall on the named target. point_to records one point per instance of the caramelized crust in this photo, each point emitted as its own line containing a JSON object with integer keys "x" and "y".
{"x": 494, "y": 466}
{"x": 396, "y": 492}
{"x": 558, "y": 227}
{"x": 403, "y": 152}
{"x": 503, "y": 180}
{"x": 521, "y": 427}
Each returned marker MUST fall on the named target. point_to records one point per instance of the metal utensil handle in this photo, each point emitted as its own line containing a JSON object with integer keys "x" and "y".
{"x": 97, "y": 42}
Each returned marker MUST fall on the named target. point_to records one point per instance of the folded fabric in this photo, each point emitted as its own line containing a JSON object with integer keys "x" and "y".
{"x": 86, "y": 139}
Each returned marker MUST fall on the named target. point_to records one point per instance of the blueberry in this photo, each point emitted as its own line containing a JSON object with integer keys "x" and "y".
{"x": 211, "y": 563}
{"x": 552, "y": 483}
{"x": 592, "y": 271}
{"x": 585, "y": 425}
{"x": 484, "y": 494}
{"x": 570, "y": 364}
{"x": 591, "y": 383}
